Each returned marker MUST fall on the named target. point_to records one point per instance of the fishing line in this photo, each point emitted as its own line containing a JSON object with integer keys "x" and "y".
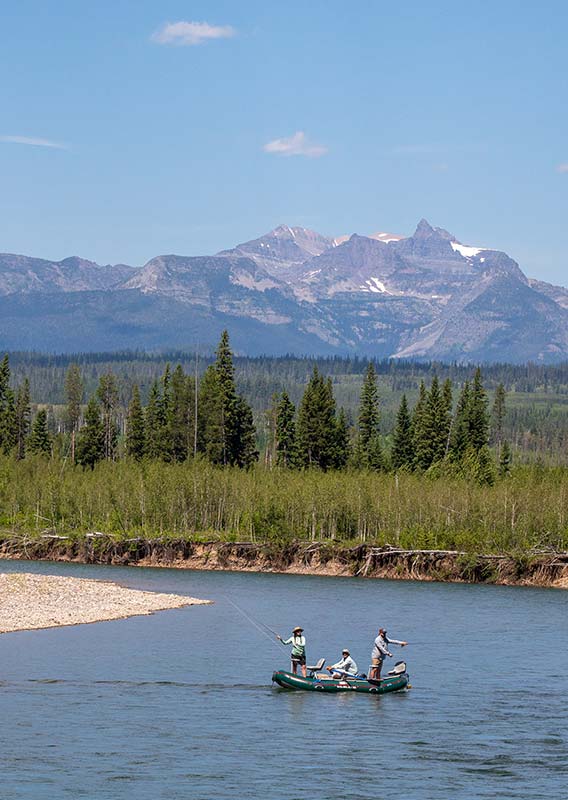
{"x": 254, "y": 622}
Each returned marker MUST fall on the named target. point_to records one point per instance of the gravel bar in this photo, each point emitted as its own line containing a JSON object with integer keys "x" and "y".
{"x": 29, "y": 601}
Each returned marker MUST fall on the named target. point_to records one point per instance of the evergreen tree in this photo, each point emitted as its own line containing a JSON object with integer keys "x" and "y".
{"x": 477, "y": 414}
{"x": 228, "y": 398}
{"x": 40, "y": 440}
{"x": 459, "y": 439}
{"x": 135, "y": 427}
{"x": 74, "y": 392}
{"x": 505, "y": 459}
{"x": 210, "y": 427}
{"x": 155, "y": 425}
{"x": 316, "y": 426}
{"x": 246, "y": 453}
{"x": 286, "y": 455}
{"x": 107, "y": 394}
{"x": 421, "y": 433}
{"x": 342, "y": 445}
{"x": 498, "y": 417}
{"x": 91, "y": 437}
{"x": 369, "y": 448}
{"x": 445, "y": 418}
{"x": 9, "y": 432}
{"x": 23, "y": 415}
{"x": 402, "y": 456}
{"x": 180, "y": 415}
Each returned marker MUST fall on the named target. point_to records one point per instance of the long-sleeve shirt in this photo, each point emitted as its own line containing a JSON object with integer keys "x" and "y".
{"x": 346, "y": 665}
{"x": 298, "y": 644}
{"x": 381, "y": 646}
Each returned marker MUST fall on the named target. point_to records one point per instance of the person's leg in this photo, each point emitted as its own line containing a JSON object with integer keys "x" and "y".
{"x": 373, "y": 672}
{"x": 304, "y": 673}
{"x": 294, "y": 666}
{"x": 378, "y": 670}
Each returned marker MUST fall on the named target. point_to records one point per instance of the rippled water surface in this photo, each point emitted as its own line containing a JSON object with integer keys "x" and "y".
{"x": 180, "y": 704}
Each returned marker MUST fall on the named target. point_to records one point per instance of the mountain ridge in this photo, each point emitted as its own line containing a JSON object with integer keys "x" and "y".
{"x": 427, "y": 295}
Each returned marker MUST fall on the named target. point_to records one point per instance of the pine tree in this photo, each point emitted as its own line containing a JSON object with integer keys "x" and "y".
{"x": 445, "y": 418}
{"x": 107, "y": 394}
{"x": 286, "y": 455}
{"x": 316, "y": 426}
{"x": 228, "y": 397}
{"x": 421, "y": 433}
{"x": 498, "y": 417}
{"x": 341, "y": 456}
{"x": 155, "y": 425}
{"x": 135, "y": 428}
{"x": 369, "y": 422}
{"x": 91, "y": 437}
{"x": 402, "y": 455}
{"x": 245, "y": 453}
{"x": 460, "y": 439}
{"x": 477, "y": 414}
{"x": 40, "y": 441}
{"x": 23, "y": 416}
{"x": 74, "y": 392}
{"x": 7, "y": 409}
{"x": 505, "y": 459}
{"x": 210, "y": 427}
{"x": 180, "y": 415}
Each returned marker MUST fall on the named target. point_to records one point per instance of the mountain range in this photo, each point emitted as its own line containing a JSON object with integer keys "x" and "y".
{"x": 425, "y": 296}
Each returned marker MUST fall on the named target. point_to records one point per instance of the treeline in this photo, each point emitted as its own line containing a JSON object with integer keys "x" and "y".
{"x": 187, "y": 416}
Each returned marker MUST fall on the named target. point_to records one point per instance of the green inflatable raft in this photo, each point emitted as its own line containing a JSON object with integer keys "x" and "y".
{"x": 322, "y": 683}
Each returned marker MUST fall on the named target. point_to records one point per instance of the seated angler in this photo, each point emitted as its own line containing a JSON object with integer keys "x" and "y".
{"x": 346, "y": 666}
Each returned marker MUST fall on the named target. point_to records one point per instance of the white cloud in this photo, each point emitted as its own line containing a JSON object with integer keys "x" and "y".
{"x": 562, "y": 168}
{"x": 191, "y": 33}
{"x": 34, "y": 141}
{"x": 296, "y": 145}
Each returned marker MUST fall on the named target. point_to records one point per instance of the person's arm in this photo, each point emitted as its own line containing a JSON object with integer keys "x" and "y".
{"x": 381, "y": 646}
{"x": 286, "y": 641}
{"x": 396, "y": 641}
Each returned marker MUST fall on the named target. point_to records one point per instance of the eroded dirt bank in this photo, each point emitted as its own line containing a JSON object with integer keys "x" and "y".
{"x": 544, "y": 568}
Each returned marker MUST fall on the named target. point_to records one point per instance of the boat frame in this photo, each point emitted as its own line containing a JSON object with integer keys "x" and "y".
{"x": 315, "y": 683}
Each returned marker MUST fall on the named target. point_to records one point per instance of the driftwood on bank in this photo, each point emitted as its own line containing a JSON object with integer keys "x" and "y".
{"x": 539, "y": 567}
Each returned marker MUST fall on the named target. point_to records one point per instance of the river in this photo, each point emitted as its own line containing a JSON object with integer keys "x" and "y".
{"x": 180, "y": 704}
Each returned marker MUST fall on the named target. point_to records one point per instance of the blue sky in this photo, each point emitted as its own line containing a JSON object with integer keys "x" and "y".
{"x": 174, "y": 137}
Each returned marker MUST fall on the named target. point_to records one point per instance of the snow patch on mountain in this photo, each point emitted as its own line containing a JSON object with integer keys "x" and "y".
{"x": 465, "y": 251}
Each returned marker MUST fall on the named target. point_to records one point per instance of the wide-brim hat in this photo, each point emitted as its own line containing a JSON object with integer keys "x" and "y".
{"x": 297, "y": 628}
{"x": 345, "y": 650}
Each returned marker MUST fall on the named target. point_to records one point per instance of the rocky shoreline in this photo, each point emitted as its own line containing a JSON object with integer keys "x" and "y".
{"x": 534, "y": 568}
{"x": 31, "y": 601}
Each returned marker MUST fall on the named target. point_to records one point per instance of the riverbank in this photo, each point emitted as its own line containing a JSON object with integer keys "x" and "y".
{"x": 30, "y": 602}
{"x": 533, "y": 568}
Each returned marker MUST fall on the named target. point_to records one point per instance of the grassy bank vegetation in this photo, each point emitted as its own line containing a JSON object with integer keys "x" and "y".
{"x": 527, "y": 509}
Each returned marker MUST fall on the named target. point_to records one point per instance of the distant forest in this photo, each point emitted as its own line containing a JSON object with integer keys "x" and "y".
{"x": 535, "y": 397}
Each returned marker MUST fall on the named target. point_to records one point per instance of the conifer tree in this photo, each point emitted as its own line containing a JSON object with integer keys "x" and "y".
{"x": 23, "y": 416}
{"x": 91, "y": 437}
{"x": 246, "y": 453}
{"x": 74, "y": 392}
{"x": 505, "y": 459}
{"x": 402, "y": 456}
{"x": 341, "y": 457}
{"x": 155, "y": 424}
{"x": 459, "y": 439}
{"x": 445, "y": 419}
{"x": 9, "y": 432}
{"x": 369, "y": 448}
{"x": 135, "y": 427}
{"x": 107, "y": 394}
{"x": 40, "y": 441}
{"x": 316, "y": 425}
{"x": 210, "y": 428}
{"x": 421, "y": 433}
{"x": 286, "y": 455}
{"x": 498, "y": 417}
{"x": 228, "y": 397}
{"x": 477, "y": 414}
{"x": 180, "y": 413}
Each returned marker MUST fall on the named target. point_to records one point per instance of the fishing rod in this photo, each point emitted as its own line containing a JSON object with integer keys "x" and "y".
{"x": 255, "y": 623}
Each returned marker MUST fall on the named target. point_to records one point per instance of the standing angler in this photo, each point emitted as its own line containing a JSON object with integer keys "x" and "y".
{"x": 298, "y": 642}
{"x": 380, "y": 650}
